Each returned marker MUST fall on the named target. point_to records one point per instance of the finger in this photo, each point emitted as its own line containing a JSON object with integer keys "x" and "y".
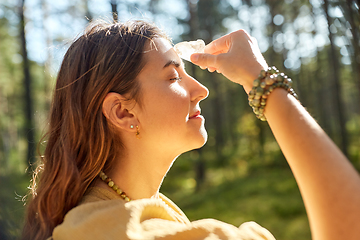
{"x": 211, "y": 69}
{"x": 204, "y": 59}
{"x": 254, "y": 41}
{"x": 223, "y": 44}
{"x": 220, "y": 45}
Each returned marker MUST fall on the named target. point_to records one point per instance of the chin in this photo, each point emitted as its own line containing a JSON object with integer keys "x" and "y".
{"x": 202, "y": 138}
{"x": 205, "y": 136}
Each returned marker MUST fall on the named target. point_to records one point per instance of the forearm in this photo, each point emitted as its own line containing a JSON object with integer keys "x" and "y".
{"x": 329, "y": 184}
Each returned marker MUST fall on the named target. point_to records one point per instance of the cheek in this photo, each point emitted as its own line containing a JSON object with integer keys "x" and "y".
{"x": 178, "y": 103}
{"x": 170, "y": 108}
{"x": 165, "y": 104}
{"x": 178, "y": 91}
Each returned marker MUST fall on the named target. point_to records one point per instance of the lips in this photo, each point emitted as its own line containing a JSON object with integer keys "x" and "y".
{"x": 195, "y": 115}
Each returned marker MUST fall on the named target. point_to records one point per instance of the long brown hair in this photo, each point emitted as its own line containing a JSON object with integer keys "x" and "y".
{"x": 80, "y": 141}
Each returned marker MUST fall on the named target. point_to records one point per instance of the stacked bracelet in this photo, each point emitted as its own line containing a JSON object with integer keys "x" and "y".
{"x": 262, "y": 87}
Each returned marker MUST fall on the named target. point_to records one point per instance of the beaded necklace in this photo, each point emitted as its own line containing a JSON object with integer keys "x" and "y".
{"x": 111, "y": 184}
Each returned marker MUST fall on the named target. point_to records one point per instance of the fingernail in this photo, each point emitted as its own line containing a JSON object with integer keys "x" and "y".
{"x": 194, "y": 57}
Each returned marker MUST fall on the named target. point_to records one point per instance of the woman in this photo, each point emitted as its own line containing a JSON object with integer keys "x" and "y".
{"x": 124, "y": 108}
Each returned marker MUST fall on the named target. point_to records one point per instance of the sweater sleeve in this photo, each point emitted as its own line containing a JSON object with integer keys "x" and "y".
{"x": 148, "y": 219}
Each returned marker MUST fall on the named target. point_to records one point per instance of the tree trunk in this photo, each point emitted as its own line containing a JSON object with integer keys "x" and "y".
{"x": 200, "y": 168}
{"x": 336, "y": 88}
{"x": 217, "y": 102}
{"x": 321, "y": 87}
{"x": 114, "y": 10}
{"x": 88, "y": 14}
{"x": 29, "y": 126}
{"x": 355, "y": 43}
{"x": 49, "y": 57}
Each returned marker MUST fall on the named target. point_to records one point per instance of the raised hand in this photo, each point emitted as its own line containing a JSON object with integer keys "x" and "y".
{"x": 236, "y": 55}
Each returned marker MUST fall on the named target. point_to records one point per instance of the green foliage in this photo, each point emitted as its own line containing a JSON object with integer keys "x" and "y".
{"x": 245, "y": 176}
{"x": 13, "y": 188}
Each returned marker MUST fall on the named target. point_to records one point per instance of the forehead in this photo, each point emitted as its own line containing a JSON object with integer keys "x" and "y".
{"x": 158, "y": 52}
{"x": 160, "y": 45}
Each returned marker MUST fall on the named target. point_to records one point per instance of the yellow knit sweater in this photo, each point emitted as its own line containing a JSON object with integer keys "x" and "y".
{"x": 102, "y": 214}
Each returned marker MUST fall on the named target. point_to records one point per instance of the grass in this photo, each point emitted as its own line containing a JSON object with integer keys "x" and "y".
{"x": 269, "y": 197}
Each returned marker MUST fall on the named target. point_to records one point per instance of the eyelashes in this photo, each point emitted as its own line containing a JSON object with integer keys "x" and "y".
{"x": 176, "y": 79}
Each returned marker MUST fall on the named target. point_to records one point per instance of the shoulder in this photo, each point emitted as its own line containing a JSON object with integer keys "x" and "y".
{"x": 115, "y": 218}
{"x": 93, "y": 218}
{"x": 147, "y": 219}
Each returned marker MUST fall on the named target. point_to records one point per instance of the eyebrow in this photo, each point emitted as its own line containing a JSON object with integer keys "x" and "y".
{"x": 172, "y": 62}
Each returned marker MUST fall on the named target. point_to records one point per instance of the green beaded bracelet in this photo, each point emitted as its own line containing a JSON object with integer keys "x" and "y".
{"x": 262, "y": 87}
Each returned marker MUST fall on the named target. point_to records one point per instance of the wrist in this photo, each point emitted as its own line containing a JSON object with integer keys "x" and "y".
{"x": 247, "y": 88}
{"x": 254, "y": 74}
{"x": 264, "y": 85}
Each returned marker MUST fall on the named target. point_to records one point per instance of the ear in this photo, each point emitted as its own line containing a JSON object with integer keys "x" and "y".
{"x": 116, "y": 109}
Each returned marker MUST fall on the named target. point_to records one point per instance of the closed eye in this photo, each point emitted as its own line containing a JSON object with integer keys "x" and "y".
{"x": 176, "y": 79}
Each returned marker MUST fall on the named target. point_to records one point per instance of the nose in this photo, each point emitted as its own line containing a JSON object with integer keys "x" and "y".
{"x": 197, "y": 91}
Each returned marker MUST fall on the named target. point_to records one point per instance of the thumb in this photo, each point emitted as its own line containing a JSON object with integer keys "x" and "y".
{"x": 204, "y": 60}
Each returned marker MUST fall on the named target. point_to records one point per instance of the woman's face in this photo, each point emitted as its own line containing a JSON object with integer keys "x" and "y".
{"x": 169, "y": 116}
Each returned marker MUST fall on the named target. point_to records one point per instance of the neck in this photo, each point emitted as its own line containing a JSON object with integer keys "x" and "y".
{"x": 141, "y": 173}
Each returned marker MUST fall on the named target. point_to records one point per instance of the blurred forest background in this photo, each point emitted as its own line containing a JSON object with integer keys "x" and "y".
{"x": 240, "y": 174}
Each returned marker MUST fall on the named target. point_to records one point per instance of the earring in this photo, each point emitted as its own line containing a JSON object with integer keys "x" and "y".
{"x": 137, "y": 132}
{"x": 131, "y": 126}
